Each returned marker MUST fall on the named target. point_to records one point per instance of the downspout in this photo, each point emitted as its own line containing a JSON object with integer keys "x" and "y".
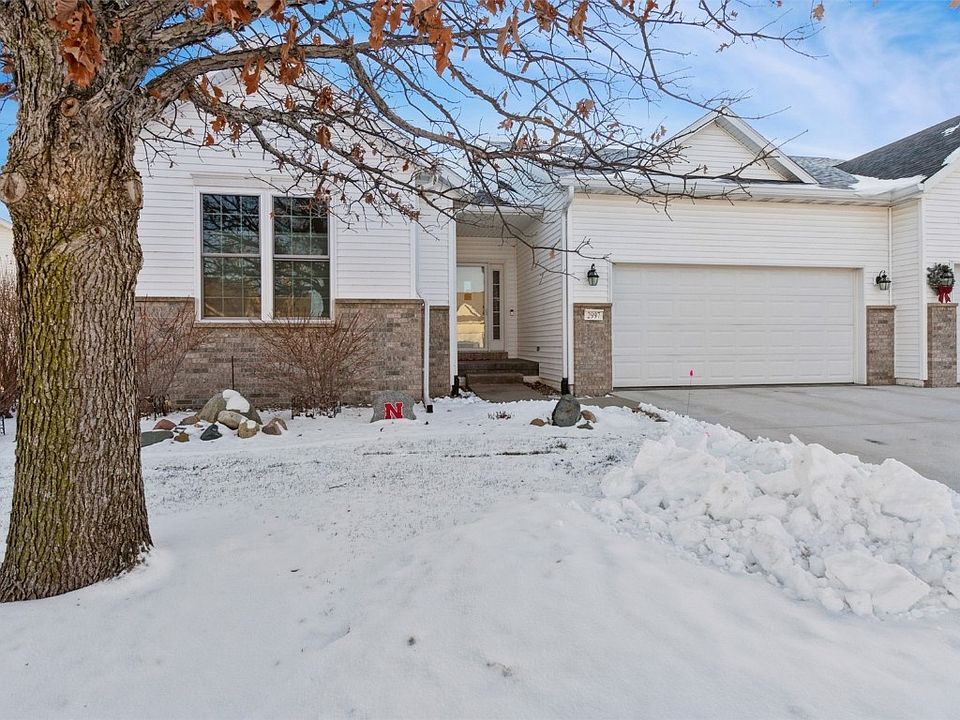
{"x": 566, "y": 317}
{"x": 415, "y": 229}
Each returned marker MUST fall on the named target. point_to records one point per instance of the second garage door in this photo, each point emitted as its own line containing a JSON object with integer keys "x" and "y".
{"x": 732, "y": 326}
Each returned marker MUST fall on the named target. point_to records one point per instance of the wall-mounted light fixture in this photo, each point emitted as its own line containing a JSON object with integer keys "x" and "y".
{"x": 883, "y": 280}
{"x": 593, "y": 277}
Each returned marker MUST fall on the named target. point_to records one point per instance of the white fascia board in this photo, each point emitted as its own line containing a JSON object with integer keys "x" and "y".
{"x": 784, "y": 192}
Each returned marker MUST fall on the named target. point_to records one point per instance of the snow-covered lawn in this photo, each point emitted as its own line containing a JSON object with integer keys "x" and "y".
{"x": 468, "y": 566}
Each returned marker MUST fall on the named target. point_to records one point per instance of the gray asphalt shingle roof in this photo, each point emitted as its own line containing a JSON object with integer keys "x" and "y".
{"x": 825, "y": 171}
{"x": 922, "y": 153}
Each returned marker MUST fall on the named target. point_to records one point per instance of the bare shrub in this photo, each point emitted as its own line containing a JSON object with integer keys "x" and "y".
{"x": 314, "y": 363}
{"x": 163, "y": 339}
{"x": 9, "y": 343}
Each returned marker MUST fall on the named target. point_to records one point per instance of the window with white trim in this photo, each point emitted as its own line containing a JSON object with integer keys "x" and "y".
{"x": 301, "y": 258}
{"x": 230, "y": 254}
{"x": 249, "y": 271}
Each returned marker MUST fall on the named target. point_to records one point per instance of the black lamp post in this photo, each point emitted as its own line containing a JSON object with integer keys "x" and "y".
{"x": 883, "y": 280}
{"x": 593, "y": 277}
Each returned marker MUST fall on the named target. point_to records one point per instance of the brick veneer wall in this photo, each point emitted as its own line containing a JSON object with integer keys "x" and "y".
{"x": 941, "y": 345}
{"x": 880, "y": 345}
{"x": 592, "y": 351}
{"x": 439, "y": 351}
{"x": 394, "y": 361}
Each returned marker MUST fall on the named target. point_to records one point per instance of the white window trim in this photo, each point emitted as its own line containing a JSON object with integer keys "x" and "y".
{"x": 266, "y": 196}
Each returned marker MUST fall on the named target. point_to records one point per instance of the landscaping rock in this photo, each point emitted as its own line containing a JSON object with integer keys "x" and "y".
{"x": 164, "y": 424}
{"x": 231, "y": 419}
{"x": 539, "y": 422}
{"x": 588, "y": 416}
{"x": 182, "y": 437}
{"x": 238, "y": 403}
{"x": 211, "y": 433}
{"x": 585, "y": 426}
{"x": 247, "y": 429}
{"x": 190, "y": 420}
{"x": 215, "y": 405}
{"x": 567, "y": 411}
{"x": 392, "y": 405}
{"x": 275, "y": 427}
{"x": 152, "y": 437}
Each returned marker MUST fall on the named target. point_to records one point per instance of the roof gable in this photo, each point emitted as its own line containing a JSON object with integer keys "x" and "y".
{"x": 721, "y": 144}
{"x": 924, "y": 153}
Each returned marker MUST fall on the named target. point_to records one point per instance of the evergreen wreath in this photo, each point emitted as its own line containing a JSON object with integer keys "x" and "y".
{"x": 940, "y": 276}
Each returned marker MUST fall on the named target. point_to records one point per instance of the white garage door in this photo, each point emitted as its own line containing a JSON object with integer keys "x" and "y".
{"x": 732, "y": 326}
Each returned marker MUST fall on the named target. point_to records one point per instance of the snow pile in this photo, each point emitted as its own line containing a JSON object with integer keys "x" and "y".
{"x": 878, "y": 539}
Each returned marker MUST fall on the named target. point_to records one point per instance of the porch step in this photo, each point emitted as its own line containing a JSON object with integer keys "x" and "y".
{"x": 473, "y": 355}
{"x": 506, "y": 365}
{"x": 490, "y": 378}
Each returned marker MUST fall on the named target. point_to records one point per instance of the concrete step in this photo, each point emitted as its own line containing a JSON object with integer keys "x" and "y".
{"x": 490, "y": 378}
{"x": 470, "y": 355}
{"x": 511, "y": 365}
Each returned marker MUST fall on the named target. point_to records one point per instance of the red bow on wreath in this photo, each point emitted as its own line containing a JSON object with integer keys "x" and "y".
{"x": 943, "y": 293}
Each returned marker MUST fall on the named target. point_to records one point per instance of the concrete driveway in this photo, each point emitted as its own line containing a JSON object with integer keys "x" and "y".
{"x": 918, "y": 426}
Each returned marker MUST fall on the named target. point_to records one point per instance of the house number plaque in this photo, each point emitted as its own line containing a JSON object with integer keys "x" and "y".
{"x": 589, "y": 314}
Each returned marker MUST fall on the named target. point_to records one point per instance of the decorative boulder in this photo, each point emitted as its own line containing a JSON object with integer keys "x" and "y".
{"x": 247, "y": 429}
{"x": 567, "y": 411}
{"x": 392, "y": 405}
{"x": 238, "y": 403}
{"x": 164, "y": 424}
{"x": 214, "y": 407}
{"x": 152, "y": 437}
{"x": 211, "y": 433}
{"x": 539, "y": 422}
{"x": 588, "y": 416}
{"x": 190, "y": 420}
{"x": 228, "y": 400}
{"x": 275, "y": 427}
{"x": 585, "y": 426}
{"x": 182, "y": 437}
{"x": 231, "y": 419}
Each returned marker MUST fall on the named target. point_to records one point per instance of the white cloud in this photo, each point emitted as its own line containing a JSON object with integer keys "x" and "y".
{"x": 881, "y": 72}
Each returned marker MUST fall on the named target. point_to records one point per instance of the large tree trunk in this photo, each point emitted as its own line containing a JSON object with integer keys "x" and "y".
{"x": 79, "y": 514}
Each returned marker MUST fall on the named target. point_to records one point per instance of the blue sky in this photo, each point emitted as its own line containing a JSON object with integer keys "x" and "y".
{"x": 880, "y": 70}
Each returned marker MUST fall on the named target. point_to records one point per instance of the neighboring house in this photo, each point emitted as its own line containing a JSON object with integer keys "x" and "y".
{"x": 772, "y": 283}
{"x": 7, "y": 263}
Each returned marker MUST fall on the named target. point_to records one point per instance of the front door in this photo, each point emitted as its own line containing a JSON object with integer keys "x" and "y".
{"x": 479, "y": 307}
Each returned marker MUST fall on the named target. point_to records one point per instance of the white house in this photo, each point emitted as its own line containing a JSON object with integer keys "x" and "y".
{"x": 774, "y": 282}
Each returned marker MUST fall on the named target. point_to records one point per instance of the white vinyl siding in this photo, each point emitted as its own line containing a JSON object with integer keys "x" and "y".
{"x": 908, "y": 276}
{"x": 941, "y": 222}
{"x": 717, "y": 232}
{"x": 480, "y": 250}
{"x": 434, "y": 256}
{"x": 373, "y": 254}
{"x": 713, "y": 148}
{"x": 540, "y": 293}
{"x": 759, "y": 326}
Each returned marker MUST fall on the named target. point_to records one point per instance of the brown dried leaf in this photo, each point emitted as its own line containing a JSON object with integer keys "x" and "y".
{"x": 251, "y": 73}
{"x": 577, "y": 21}
{"x": 817, "y": 12}
{"x": 80, "y": 46}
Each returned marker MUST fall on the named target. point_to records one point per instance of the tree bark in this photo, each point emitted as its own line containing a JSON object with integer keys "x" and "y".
{"x": 79, "y": 514}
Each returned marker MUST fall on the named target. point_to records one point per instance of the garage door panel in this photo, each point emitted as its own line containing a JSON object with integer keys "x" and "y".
{"x": 732, "y": 325}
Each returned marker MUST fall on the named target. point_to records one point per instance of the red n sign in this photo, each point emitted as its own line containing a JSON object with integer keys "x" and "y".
{"x": 393, "y": 411}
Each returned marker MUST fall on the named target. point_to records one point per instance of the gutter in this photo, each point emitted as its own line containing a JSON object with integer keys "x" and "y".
{"x": 705, "y": 188}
